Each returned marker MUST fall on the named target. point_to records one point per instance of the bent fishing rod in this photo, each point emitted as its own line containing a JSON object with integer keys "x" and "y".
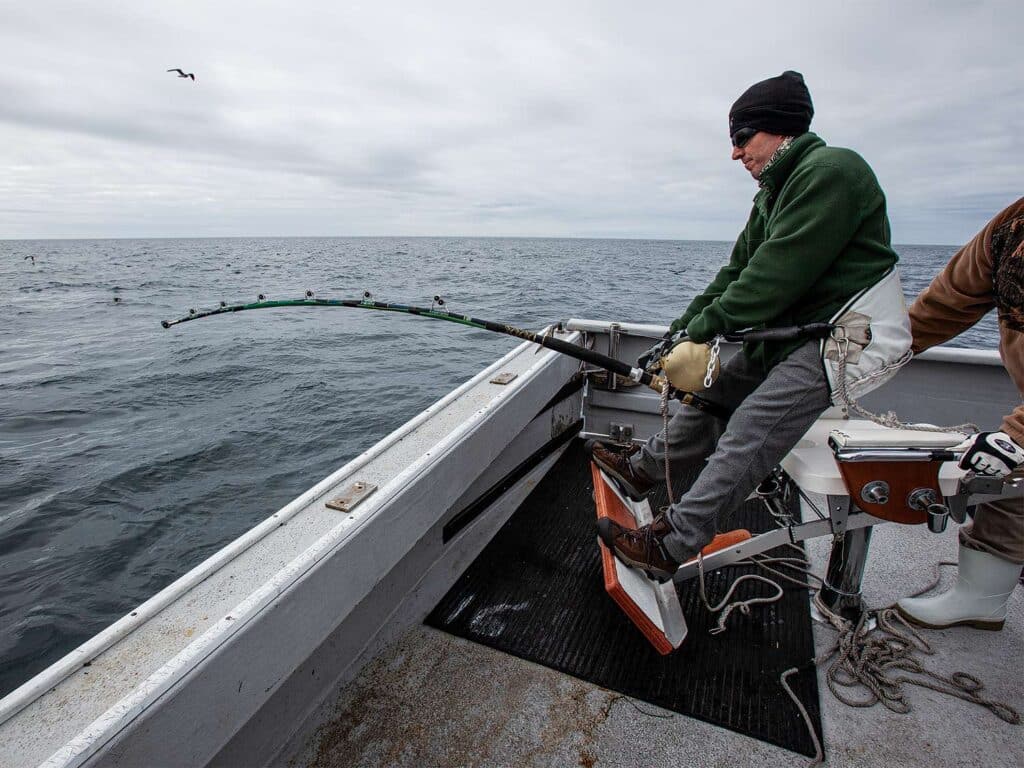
{"x": 436, "y": 312}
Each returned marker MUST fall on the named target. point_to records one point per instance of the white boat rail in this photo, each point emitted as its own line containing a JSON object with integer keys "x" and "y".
{"x": 25, "y": 694}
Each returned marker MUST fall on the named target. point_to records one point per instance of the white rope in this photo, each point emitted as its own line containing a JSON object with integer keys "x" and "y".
{"x": 888, "y": 419}
{"x": 819, "y": 752}
{"x": 862, "y": 657}
{"x": 743, "y": 606}
{"x": 664, "y": 433}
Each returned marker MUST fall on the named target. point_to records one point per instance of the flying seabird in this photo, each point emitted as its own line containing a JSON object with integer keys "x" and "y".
{"x": 183, "y": 74}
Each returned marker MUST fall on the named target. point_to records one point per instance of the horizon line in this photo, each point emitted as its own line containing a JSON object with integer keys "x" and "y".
{"x": 407, "y": 237}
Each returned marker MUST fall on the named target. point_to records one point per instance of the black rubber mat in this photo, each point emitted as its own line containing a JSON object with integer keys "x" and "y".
{"x": 536, "y": 592}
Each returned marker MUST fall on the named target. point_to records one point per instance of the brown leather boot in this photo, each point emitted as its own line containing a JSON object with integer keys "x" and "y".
{"x": 614, "y": 460}
{"x": 642, "y": 547}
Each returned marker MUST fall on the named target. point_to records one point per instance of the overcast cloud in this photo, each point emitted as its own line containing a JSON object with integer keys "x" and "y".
{"x": 578, "y": 119}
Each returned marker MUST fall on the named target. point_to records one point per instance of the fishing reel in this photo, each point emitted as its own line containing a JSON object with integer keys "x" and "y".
{"x": 686, "y": 365}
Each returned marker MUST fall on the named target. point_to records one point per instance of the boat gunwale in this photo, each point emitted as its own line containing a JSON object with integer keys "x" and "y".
{"x": 90, "y": 738}
{"x": 34, "y": 688}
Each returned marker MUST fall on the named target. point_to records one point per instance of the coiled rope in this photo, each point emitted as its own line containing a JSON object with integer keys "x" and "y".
{"x": 864, "y": 658}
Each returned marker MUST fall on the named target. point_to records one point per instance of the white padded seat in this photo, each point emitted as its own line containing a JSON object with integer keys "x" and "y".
{"x": 866, "y": 434}
{"x": 813, "y": 467}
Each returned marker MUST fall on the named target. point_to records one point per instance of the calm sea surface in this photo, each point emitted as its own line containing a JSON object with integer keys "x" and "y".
{"x": 129, "y": 453}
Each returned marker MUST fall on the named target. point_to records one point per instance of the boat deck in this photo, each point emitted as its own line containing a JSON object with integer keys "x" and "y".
{"x": 301, "y": 644}
{"x": 435, "y": 699}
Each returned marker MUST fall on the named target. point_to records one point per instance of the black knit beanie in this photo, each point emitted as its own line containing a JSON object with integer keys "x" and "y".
{"x": 779, "y": 105}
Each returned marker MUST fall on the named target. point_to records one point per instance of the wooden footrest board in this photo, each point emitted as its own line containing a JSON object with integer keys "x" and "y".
{"x": 653, "y": 607}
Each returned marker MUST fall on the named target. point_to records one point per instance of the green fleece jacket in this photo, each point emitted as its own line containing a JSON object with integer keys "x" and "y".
{"x": 817, "y": 235}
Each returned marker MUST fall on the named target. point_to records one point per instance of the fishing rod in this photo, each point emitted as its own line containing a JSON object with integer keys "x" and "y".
{"x": 436, "y": 312}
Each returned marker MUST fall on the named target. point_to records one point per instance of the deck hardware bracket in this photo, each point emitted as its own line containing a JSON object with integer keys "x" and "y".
{"x": 620, "y": 433}
{"x": 351, "y": 497}
{"x": 614, "y": 332}
{"x": 839, "y": 511}
{"x": 504, "y": 378}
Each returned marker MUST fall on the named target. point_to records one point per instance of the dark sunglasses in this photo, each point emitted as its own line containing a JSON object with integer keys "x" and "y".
{"x": 743, "y": 136}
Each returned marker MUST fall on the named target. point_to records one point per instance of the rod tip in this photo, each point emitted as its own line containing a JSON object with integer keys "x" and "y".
{"x": 165, "y": 324}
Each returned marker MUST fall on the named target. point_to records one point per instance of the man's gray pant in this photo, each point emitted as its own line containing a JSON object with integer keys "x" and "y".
{"x": 771, "y": 413}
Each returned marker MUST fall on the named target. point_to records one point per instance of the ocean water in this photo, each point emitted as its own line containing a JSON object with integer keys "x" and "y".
{"x": 129, "y": 453}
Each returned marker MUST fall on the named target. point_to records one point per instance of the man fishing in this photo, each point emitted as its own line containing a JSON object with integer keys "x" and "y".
{"x": 817, "y": 235}
{"x": 986, "y": 273}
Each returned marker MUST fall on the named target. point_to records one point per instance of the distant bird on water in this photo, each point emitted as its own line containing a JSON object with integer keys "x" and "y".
{"x": 183, "y": 74}
{"x": 30, "y": 256}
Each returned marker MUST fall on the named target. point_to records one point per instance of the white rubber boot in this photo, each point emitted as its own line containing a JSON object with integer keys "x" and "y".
{"x": 978, "y": 599}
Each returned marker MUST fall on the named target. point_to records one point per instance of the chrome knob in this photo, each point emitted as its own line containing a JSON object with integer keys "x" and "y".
{"x": 875, "y": 492}
{"x": 920, "y": 499}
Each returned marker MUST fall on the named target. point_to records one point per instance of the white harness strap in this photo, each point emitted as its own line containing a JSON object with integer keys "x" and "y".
{"x": 871, "y": 341}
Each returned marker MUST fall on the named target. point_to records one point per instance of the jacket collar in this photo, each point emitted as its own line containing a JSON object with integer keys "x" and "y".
{"x": 775, "y": 174}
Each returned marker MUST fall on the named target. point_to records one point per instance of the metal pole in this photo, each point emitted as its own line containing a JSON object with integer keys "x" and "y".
{"x": 841, "y": 591}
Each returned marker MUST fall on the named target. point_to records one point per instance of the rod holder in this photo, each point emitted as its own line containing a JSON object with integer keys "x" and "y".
{"x": 938, "y": 517}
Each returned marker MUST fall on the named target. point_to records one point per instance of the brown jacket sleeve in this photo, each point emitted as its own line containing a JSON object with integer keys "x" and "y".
{"x": 962, "y": 294}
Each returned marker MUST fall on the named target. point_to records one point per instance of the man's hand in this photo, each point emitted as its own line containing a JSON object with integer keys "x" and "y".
{"x": 653, "y": 354}
{"x": 991, "y": 453}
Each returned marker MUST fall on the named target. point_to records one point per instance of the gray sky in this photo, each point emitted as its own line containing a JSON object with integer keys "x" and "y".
{"x": 554, "y": 118}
